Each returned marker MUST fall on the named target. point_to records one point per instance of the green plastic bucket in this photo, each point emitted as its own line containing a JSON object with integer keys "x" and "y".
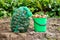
{"x": 40, "y": 24}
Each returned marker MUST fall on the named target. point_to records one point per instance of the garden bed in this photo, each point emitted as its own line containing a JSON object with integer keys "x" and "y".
{"x": 52, "y": 33}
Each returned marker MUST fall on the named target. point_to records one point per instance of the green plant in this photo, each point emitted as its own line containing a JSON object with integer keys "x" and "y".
{"x": 33, "y": 5}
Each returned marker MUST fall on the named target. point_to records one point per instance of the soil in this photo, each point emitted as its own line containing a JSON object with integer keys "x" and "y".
{"x": 52, "y": 33}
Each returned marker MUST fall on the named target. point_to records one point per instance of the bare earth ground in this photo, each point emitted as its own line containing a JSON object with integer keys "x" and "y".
{"x": 52, "y": 33}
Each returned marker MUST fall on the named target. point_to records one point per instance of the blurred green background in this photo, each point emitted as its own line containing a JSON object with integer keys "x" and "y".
{"x": 49, "y": 7}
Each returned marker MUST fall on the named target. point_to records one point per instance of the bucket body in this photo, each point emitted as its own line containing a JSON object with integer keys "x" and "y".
{"x": 40, "y": 24}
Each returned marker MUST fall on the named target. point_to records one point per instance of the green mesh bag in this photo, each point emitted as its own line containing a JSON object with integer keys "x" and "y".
{"x": 20, "y": 19}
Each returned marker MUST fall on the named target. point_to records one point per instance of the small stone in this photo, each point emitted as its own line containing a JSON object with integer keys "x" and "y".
{"x": 50, "y": 35}
{"x": 37, "y": 39}
{"x": 31, "y": 32}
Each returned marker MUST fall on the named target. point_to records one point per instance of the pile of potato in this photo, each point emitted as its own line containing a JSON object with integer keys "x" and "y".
{"x": 39, "y": 16}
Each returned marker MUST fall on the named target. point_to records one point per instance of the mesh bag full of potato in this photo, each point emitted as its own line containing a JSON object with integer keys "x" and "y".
{"x": 20, "y": 19}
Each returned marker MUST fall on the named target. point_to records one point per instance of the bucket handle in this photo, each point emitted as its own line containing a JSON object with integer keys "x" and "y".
{"x": 40, "y": 24}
